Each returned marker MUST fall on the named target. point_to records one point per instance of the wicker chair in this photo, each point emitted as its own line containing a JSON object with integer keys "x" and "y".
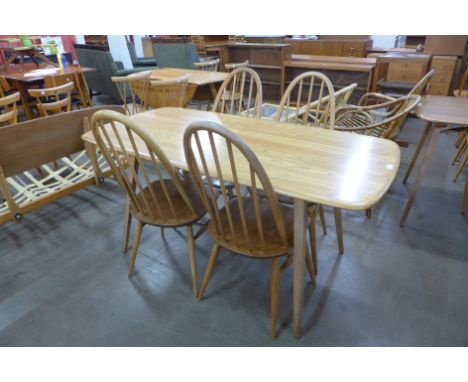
{"x": 253, "y": 226}
{"x": 157, "y": 195}
{"x": 126, "y": 86}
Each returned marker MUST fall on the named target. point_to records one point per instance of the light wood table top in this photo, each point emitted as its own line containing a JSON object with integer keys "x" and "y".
{"x": 443, "y": 109}
{"x": 38, "y": 74}
{"x": 333, "y": 168}
{"x": 197, "y": 77}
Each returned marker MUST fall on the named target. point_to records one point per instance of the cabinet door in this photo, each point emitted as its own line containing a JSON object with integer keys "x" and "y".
{"x": 441, "y": 81}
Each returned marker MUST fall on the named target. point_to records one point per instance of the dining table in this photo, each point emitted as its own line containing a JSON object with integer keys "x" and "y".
{"x": 323, "y": 166}
{"x": 23, "y": 79}
{"x": 439, "y": 112}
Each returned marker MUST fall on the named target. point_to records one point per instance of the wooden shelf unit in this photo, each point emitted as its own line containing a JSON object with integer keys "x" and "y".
{"x": 266, "y": 59}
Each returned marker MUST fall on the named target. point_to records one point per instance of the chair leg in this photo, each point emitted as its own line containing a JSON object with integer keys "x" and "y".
{"x": 136, "y": 244}
{"x": 460, "y": 167}
{"x": 322, "y": 220}
{"x": 192, "y": 259}
{"x": 127, "y": 227}
{"x": 275, "y": 285}
{"x": 312, "y": 236}
{"x": 459, "y": 153}
{"x": 310, "y": 268}
{"x": 209, "y": 270}
{"x": 339, "y": 228}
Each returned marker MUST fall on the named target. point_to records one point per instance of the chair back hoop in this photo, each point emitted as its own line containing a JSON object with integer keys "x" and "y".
{"x": 133, "y": 91}
{"x": 308, "y": 100}
{"x": 207, "y": 66}
{"x": 9, "y": 112}
{"x": 53, "y": 100}
{"x": 229, "y": 67}
{"x": 361, "y": 120}
{"x": 422, "y": 85}
{"x": 215, "y": 152}
{"x": 151, "y": 188}
{"x": 240, "y": 92}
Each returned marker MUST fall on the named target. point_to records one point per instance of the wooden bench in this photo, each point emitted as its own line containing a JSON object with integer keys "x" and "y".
{"x": 45, "y": 159}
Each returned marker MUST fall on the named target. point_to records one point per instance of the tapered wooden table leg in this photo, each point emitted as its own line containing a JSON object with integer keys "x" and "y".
{"x": 427, "y": 156}
{"x": 299, "y": 259}
{"x": 418, "y": 150}
{"x": 24, "y": 98}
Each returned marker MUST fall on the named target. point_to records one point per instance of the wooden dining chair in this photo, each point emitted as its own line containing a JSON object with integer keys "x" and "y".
{"x": 461, "y": 91}
{"x": 133, "y": 90}
{"x": 308, "y": 100}
{"x": 53, "y": 100}
{"x": 79, "y": 93}
{"x": 199, "y": 42}
{"x": 207, "y": 66}
{"x": 462, "y": 154}
{"x": 9, "y": 109}
{"x": 240, "y": 93}
{"x": 253, "y": 226}
{"x": 230, "y": 66}
{"x": 157, "y": 195}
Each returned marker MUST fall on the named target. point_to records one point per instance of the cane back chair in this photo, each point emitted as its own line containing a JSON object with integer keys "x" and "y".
{"x": 253, "y": 226}
{"x": 154, "y": 198}
{"x": 133, "y": 90}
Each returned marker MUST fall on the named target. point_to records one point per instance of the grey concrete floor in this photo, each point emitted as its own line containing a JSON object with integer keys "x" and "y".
{"x": 63, "y": 277}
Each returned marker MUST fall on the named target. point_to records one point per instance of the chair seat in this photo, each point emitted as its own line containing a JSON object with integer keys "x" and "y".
{"x": 252, "y": 246}
{"x": 165, "y": 217}
{"x": 403, "y": 85}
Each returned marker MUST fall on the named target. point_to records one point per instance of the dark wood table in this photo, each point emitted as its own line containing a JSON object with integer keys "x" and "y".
{"x": 21, "y": 80}
{"x": 21, "y": 52}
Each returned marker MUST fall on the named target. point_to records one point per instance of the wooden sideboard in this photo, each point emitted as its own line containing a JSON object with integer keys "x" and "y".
{"x": 266, "y": 59}
{"x": 326, "y": 47}
{"x": 342, "y": 71}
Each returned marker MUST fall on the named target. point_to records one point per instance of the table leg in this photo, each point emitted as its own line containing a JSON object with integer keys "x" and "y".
{"x": 427, "y": 156}
{"x": 24, "y": 98}
{"x": 418, "y": 150}
{"x": 299, "y": 258}
{"x": 213, "y": 90}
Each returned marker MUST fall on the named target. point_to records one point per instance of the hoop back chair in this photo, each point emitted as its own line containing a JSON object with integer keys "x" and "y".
{"x": 133, "y": 90}
{"x": 154, "y": 198}
{"x": 9, "y": 109}
{"x": 241, "y": 92}
{"x": 370, "y": 120}
{"x": 207, "y": 66}
{"x": 229, "y": 67}
{"x": 253, "y": 226}
{"x": 309, "y": 99}
{"x": 78, "y": 90}
{"x": 53, "y": 100}
{"x": 461, "y": 91}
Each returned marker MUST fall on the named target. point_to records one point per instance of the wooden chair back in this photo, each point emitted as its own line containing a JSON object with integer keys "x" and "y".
{"x": 310, "y": 100}
{"x": 4, "y": 86}
{"x": 240, "y": 92}
{"x": 133, "y": 90}
{"x": 8, "y": 109}
{"x": 236, "y": 65}
{"x": 143, "y": 172}
{"x": 207, "y": 66}
{"x": 422, "y": 85}
{"x": 215, "y": 152}
{"x": 199, "y": 42}
{"x": 53, "y": 100}
{"x": 343, "y": 95}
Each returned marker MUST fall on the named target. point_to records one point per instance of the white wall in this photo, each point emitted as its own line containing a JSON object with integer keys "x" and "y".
{"x": 138, "y": 45}
{"x": 383, "y": 41}
{"x": 119, "y": 50}
{"x": 79, "y": 39}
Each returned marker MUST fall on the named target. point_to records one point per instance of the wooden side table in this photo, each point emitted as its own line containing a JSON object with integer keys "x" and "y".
{"x": 438, "y": 111}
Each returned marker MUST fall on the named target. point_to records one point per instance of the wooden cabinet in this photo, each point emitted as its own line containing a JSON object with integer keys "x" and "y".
{"x": 325, "y": 47}
{"x": 441, "y": 81}
{"x": 266, "y": 59}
